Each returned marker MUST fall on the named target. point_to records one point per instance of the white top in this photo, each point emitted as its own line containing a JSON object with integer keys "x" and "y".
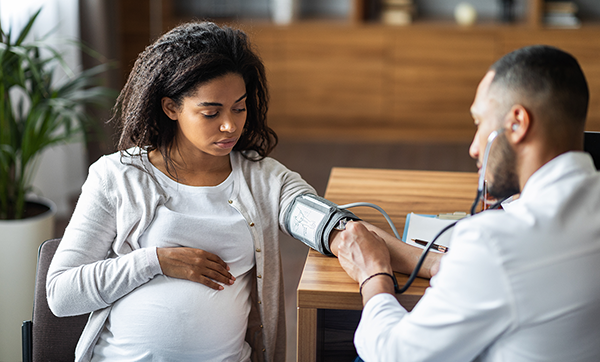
{"x": 100, "y": 260}
{"x": 189, "y": 321}
{"x": 521, "y": 284}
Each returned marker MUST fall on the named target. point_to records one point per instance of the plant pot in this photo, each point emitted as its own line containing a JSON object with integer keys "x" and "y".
{"x": 19, "y": 243}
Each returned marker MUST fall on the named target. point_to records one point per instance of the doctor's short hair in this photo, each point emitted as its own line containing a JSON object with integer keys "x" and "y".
{"x": 548, "y": 77}
{"x": 174, "y": 66}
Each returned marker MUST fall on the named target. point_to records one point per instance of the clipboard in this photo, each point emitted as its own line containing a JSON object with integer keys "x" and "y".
{"x": 425, "y": 227}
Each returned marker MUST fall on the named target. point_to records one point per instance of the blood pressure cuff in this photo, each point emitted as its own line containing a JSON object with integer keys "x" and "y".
{"x": 311, "y": 218}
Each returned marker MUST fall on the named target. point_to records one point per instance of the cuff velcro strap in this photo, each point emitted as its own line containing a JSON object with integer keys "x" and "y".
{"x": 310, "y": 219}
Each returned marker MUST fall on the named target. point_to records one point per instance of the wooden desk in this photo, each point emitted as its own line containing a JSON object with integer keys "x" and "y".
{"x": 324, "y": 284}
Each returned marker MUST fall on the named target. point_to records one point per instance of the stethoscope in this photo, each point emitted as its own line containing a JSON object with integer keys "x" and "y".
{"x": 480, "y": 188}
{"x": 480, "y": 191}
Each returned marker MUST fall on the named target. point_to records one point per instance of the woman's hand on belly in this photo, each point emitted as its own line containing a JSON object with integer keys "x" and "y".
{"x": 195, "y": 265}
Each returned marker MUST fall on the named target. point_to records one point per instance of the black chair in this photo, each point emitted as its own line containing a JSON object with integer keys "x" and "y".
{"x": 46, "y": 337}
{"x": 591, "y": 144}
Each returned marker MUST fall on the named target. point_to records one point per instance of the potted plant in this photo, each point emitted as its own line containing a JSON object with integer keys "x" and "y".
{"x": 37, "y": 111}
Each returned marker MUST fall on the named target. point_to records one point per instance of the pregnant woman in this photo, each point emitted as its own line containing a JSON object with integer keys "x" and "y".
{"x": 173, "y": 246}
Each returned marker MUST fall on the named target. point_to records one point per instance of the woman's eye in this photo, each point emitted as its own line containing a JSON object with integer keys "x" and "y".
{"x": 240, "y": 110}
{"x": 212, "y": 115}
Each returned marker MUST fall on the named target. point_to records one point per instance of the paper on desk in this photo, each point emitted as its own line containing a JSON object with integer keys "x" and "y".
{"x": 425, "y": 227}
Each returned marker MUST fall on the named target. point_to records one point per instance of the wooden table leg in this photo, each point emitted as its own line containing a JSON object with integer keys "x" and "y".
{"x": 306, "y": 347}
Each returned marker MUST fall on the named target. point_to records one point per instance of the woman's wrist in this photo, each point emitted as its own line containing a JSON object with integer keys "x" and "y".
{"x": 432, "y": 265}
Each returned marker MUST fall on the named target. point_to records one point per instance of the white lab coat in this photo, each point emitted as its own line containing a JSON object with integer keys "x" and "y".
{"x": 521, "y": 284}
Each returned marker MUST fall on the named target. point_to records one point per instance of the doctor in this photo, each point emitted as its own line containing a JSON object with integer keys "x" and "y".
{"x": 519, "y": 284}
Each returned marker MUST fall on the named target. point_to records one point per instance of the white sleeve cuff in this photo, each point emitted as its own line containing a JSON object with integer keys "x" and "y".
{"x": 153, "y": 263}
{"x": 381, "y": 313}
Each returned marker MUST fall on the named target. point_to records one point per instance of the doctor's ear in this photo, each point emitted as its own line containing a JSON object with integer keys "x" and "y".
{"x": 519, "y": 120}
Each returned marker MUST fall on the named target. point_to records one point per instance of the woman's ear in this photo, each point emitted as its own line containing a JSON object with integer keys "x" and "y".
{"x": 519, "y": 121}
{"x": 170, "y": 108}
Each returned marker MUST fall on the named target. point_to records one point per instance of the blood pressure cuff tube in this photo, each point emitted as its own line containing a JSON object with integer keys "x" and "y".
{"x": 311, "y": 218}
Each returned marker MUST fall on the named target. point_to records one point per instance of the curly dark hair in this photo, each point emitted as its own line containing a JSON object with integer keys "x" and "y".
{"x": 174, "y": 66}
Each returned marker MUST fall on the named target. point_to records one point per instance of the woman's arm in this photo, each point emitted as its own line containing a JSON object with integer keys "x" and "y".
{"x": 82, "y": 276}
{"x": 404, "y": 257}
{"x": 86, "y": 274}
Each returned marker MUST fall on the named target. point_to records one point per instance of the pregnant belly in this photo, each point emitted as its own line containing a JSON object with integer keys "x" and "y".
{"x": 173, "y": 316}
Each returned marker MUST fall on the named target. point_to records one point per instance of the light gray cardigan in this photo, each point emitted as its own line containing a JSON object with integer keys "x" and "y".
{"x": 99, "y": 259}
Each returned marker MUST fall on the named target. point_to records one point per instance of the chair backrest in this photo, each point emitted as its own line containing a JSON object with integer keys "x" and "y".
{"x": 591, "y": 144}
{"x": 52, "y": 338}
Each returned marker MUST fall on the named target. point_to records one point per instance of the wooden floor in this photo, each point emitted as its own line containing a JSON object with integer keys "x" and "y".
{"x": 314, "y": 160}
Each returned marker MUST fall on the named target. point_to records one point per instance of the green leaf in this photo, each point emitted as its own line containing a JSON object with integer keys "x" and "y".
{"x": 27, "y": 27}
{"x": 37, "y": 111}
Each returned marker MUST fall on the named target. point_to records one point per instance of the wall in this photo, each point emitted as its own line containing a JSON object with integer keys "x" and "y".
{"x": 588, "y": 9}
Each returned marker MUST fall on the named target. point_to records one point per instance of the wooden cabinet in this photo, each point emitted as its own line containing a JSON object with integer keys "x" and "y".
{"x": 369, "y": 82}
{"x": 433, "y": 73}
{"x": 378, "y": 83}
{"x": 339, "y": 77}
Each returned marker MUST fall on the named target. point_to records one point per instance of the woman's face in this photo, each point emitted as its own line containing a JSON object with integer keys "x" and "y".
{"x": 211, "y": 120}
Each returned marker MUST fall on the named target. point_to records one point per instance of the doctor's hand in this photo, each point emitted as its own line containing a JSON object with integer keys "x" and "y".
{"x": 362, "y": 254}
{"x": 195, "y": 265}
{"x": 404, "y": 257}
